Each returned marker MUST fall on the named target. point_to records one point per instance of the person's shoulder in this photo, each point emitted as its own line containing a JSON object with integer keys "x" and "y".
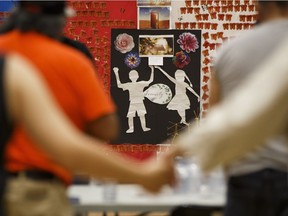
{"x": 7, "y": 36}
{"x": 66, "y": 53}
{"x": 253, "y": 36}
{"x": 72, "y": 43}
{"x": 78, "y": 46}
{"x": 251, "y": 39}
{"x": 238, "y": 44}
{"x": 235, "y": 42}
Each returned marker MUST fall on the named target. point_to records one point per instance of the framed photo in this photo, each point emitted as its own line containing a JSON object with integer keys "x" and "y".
{"x": 154, "y": 2}
{"x": 156, "y": 45}
{"x": 154, "y": 17}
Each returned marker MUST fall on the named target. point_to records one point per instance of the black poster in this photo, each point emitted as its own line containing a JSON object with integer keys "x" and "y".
{"x": 155, "y": 82}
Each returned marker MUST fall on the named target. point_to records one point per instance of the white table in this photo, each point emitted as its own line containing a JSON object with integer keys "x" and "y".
{"x": 134, "y": 198}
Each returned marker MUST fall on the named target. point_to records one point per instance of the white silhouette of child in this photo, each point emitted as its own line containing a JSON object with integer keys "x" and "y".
{"x": 136, "y": 97}
{"x": 180, "y": 101}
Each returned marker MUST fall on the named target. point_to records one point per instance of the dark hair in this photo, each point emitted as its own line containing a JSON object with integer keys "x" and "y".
{"x": 45, "y": 17}
{"x": 282, "y": 3}
{"x": 8, "y": 25}
{"x": 43, "y": 7}
{"x": 279, "y": 3}
{"x": 49, "y": 25}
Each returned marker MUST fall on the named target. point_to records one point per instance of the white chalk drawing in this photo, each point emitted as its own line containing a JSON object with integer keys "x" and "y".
{"x": 136, "y": 97}
{"x": 180, "y": 102}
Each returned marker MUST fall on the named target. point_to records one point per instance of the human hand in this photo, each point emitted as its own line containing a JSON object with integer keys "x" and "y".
{"x": 159, "y": 173}
{"x": 116, "y": 69}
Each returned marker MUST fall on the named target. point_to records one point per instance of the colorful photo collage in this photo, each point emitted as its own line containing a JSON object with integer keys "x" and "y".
{"x": 155, "y": 102}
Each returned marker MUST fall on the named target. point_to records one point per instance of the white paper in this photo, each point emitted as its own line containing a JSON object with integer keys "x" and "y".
{"x": 155, "y": 60}
{"x": 159, "y": 93}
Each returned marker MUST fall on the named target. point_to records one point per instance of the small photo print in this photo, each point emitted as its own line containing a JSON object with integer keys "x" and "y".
{"x": 154, "y": 2}
{"x": 156, "y": 45}
{"x": 154, "y": 17}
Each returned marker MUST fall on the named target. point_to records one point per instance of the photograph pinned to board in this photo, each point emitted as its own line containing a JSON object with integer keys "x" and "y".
{"x": 154, "y": 17}
{"x": 156, "y": 45}
{"x": 154, "y": 2}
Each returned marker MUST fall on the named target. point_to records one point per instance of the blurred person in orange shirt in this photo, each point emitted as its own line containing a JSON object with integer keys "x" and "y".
{"x": 37, "y": 31}
{"x": 56, "y": 134}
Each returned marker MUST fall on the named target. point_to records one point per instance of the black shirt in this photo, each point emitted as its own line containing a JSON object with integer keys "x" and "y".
{"x": 5, "y": 131}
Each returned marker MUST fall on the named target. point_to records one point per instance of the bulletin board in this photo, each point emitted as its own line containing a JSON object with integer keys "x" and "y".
{"x": 219, "y": 21}
{"x": 158, "y": 97}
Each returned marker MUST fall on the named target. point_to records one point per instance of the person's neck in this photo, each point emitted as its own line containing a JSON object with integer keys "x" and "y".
{"x": 272, "y": 18}
{"x": 274, "y": 14}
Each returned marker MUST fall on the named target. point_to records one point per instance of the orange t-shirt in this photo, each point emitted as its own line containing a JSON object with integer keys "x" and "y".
{"x": 75, "y": 86}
